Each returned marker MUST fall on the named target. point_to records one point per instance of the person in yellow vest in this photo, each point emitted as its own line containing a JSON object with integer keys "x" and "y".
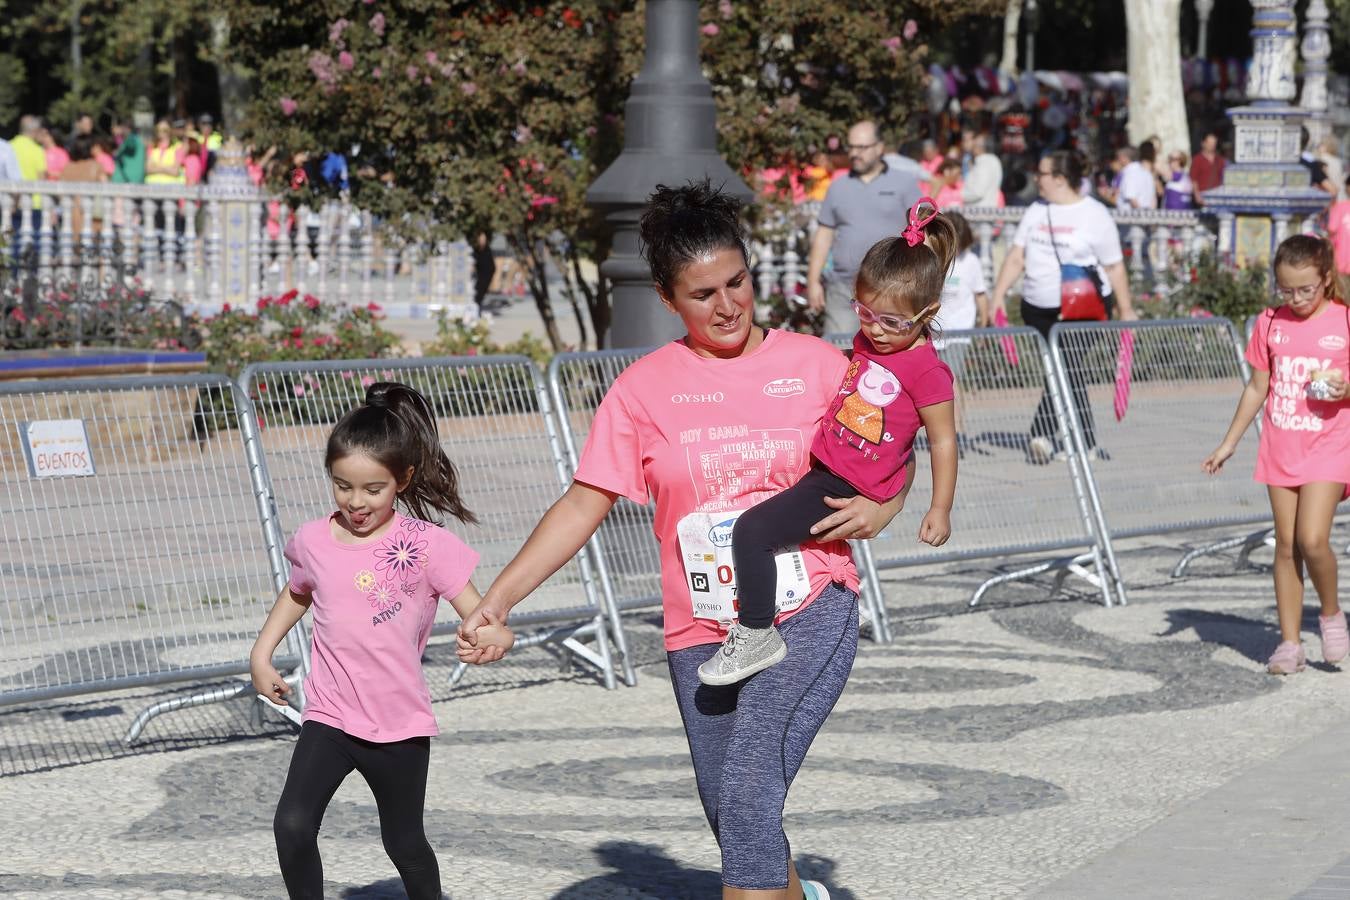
{"x": 163, "y": 160}
{"x": 32, "y": 160}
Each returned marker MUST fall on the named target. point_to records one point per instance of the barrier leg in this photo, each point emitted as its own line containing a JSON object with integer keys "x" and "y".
{"x": 215, "y": 695}
{"x": 1247, "y": 542}
{"x": 605, "y": 595}
{"x": 871, "y": 601}
{"x": 1064, "y": 566}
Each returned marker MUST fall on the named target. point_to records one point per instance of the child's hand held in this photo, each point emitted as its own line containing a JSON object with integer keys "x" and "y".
{"x": 267, "y": 681}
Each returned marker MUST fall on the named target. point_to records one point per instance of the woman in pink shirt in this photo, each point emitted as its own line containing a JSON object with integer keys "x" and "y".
{"x": 373, "y": 578}
{"x": 1299, "y": 355}
{"x": 705, "y": 427}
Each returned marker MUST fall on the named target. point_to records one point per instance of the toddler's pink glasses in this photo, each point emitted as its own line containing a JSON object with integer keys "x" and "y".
{"x": 893, "y": 324}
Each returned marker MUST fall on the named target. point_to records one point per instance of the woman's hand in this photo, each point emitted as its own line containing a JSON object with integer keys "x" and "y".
{"x": 856, "y": 518}
{"x": 483, "y": 636}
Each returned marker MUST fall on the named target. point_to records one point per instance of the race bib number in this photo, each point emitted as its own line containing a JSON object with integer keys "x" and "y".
{"x": 709, "y": 570}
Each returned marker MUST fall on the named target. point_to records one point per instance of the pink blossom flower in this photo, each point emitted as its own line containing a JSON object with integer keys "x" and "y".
{"x": 543, "y": 200}
{"x": 710, "y": 29}
{"x": 288, "y": 106}
{"x": 377, "y": 72}
{"x": 519, "y": 67}
{"x": 367, "y": 380}
{"x": 911, "y": 29}
{"x": 377, "y": 24}
{"x": 469, "y": 88}
{"x": 892, "y": 44}
{"x": 298, "y": 390}
{"x": 412, "y": 73}
{"x": 724, "y": 7}
{"x": 321, "y": 64}
{"x": 335, "y": 31}
{"x": 431, "y": 58}
{"x": 311, "y": 301}
{"x": 346, "y": 61}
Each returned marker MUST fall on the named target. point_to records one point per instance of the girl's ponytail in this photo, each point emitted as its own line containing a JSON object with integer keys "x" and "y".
{"x": 913, "y": 266}
{"x": 397, "y": 427}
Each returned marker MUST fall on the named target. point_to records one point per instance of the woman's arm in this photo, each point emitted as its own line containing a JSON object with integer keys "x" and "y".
{"x": 983, "y": 318}
{"x": 1120, "y": 283}
{"x": 560, "y": 534}
{"x": 1012, "y": 267}
{"x": 939, "y": 420}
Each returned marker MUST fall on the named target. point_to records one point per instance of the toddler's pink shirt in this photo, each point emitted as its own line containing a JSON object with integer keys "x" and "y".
{"x": 868, "y": 434}
{"x": 1338, "y": 230}
{"x": 374, "y": 605}
{"x": 714, "y": 435}
{"x": 1302, "y": 439}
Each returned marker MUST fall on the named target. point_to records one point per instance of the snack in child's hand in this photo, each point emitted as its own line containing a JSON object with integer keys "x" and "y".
{"x": 1319, "y": 383}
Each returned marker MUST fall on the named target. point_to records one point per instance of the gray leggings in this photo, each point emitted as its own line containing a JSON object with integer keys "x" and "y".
{"x": 748, "y": 740}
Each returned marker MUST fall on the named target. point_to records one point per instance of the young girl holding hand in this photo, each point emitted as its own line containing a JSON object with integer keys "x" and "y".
{"x": 372, "y": 576}
{"x": 1298, "y": 354}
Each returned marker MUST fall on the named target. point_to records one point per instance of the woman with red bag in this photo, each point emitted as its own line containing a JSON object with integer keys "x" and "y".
{"x": 1064, "y": 243}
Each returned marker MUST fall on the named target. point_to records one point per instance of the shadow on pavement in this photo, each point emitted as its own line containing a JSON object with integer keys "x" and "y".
{"x": 646, "y": 871}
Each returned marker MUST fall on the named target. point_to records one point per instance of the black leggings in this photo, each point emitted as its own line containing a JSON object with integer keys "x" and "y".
{"x": 397, "y": 775}
{"x": 783, "y": 520}
{"x": 1043, "y": 425}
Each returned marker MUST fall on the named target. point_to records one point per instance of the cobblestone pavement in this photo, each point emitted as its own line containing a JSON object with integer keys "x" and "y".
{"x": 982, "y": 754}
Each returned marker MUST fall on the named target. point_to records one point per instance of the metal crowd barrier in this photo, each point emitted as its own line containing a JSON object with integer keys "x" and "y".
{"x": 1008, "y": 503}
{"x": 626, "y": 540}
{"x": 1145, "y": 462}
{"x": 134, "y": 539}
{"x": 494, "y": 418}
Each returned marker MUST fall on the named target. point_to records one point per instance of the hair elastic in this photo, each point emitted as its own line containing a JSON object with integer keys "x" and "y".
{"x": 913, "y": 232}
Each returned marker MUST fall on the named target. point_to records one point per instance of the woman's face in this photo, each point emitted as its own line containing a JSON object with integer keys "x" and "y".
{"x": 715, "y": 298}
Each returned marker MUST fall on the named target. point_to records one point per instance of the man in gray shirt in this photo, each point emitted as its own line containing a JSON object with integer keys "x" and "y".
{"x": 869, "y": 204}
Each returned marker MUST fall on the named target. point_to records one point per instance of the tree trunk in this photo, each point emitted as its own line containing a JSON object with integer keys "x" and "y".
{"x": 1157, "y": 102}
{"x": 1011, "y": 16}
{"x": 233, "y": 89}
{"x": 182, "y": 73}
{"x": 526, "y": 251}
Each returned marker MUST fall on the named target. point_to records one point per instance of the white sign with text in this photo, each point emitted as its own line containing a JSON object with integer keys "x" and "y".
{"x": 57, "y": 448}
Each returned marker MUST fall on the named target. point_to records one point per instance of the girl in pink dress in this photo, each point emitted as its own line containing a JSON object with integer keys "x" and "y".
{"x": 1300, "y": 354}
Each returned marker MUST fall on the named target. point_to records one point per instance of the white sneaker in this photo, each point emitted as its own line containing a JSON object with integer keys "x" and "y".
{"x": 814, "y": 890}
{"x": 1041, "y": 450}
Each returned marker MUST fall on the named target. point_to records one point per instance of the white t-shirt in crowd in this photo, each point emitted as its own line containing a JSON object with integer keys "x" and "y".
{"x": 1139, "y": 185}
{"x": 964, "y": 281}
{"x": 1086, "y": 235}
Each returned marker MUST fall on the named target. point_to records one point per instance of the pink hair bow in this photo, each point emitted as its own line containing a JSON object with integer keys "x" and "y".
{"x": 913, "y": 232}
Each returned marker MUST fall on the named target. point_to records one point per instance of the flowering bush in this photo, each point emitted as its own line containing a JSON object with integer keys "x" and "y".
{"x": 38, "y": 313}
{"x": 295, "y": 327}
{"x": 473, "y": 337}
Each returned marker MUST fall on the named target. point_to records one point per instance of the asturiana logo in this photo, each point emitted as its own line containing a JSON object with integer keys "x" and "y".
{"x": 785, "y": 387}
{"x": 720, "y": 534}
{"x": 1332, "y": 342}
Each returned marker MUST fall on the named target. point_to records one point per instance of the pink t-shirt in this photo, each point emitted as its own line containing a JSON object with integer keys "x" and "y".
{"x": 868, "y": 434}
{"x": 948, "y": 195}
{"x": 1302, "y": 439}
{"x": 374, "y": 604}
{"x": 714, "y": 435}
{"x": 1338, "y": 229}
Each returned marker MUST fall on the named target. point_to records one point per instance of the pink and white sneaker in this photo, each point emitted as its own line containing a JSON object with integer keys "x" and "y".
{"x": 1335, "y": 637}
{"x": 1287, "y": 659}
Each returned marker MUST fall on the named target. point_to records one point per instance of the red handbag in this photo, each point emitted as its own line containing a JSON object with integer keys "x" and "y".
{"x": 1080, "y": 289}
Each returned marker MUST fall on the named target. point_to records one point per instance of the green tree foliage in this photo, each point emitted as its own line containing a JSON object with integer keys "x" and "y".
{"x": 474, "y": 116}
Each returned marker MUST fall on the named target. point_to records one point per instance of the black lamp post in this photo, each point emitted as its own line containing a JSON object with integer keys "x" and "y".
{"x": 670, "y": 137}
{"x": 1032, "y": 20}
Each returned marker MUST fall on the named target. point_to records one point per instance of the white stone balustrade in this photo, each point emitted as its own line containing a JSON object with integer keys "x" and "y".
{"x": 209, "y": 245}
{"x": 1152, "y": 239}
